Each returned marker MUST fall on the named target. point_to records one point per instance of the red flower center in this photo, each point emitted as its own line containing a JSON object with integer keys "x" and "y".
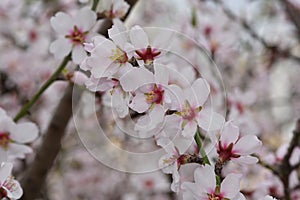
{"x": 148, "y": 54}
{"x": 226, "y": 153}
{"x": 155, "y": 96}
{"x": 4, "y": 139}
{"x": 77, "y": 36}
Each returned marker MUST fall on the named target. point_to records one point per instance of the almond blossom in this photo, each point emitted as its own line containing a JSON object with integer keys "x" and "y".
{"x": 73, "y": 33}
{"x": 113, "y": 8}
{"x": 235, "y": 148}
{"x": 190, "y": 111}
{"x": 9, "y": 187}
{"x": 205, "y": 186}
{"x": 14, "y": 136}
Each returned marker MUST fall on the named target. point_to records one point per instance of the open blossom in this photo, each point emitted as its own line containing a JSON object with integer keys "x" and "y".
{"x": 14, "y": 136}
{"x": 73, "y": 32}
{"x": 268, "y": 197}
{"x": 231, "y": 147}
{"x": 112, "y": 54}
{"x": 9, "y": 187}
{"x": 205, "y": 186}
{"x": 190, "y": 111}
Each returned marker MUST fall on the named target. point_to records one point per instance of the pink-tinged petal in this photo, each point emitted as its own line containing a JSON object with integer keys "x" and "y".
{"x": 15, "y": 190}
{"x": 230, "y": 186}
{"x": 24, "y": 132}
{"x": 239, "y": 196}
{"x": 5, "y": 171}
{"x": 78, "y": 54}
{"x": 60, "y": 47}
{"x": 168, "y": 146}
{"x": 18, "y": 151}
{"x": 189, "y": 129}
{"x": 139, "y": 103}
{"x": 209, "y": 120}
{"x": 136, "y": 78}
{"x": 79, "y": 78}
{"x": 161, "y": 74}
{"x": 177, "y": 97}
{"x": 205, "y": 178}
{"x": 247, "y": 145}
{"x": 229, "y": 134}
{"x": 85, "y": 19}
{"x": 62, "y": 23}
{"x": 138, "y": 37}
{"x": 98, "y": 70}
{"x": 247, "y": 160}
{"x": 3, "y": 155}
{"x": 118, "y": 33}
{"x": 198, "y": 93}
{"x": 191, "y": 188}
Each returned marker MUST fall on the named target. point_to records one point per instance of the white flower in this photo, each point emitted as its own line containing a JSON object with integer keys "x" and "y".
{"x": 189, "y": 104}
{"x": 113, "y": 8}
{"x": 231, "y": 147}
{"x": 73, "y": 32}
{"x": 205, "y": 187}
{"x": 9, "y": 187}
{"x": 14, "y": 136}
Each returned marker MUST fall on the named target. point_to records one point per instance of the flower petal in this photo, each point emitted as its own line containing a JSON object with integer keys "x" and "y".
{"x": 78, "y": 54}
{"x": 198, "y": 93}
{"x": 139, "y": 103}
{"x": 138, "y": 37}
{"x": 85, "y": 18}
{"x": 230, "y": 186}
{"x": 18, "y": 151}
{"x": 136, "y": 78}
{"x": 189, "y": 129}
{"x": 248, "y": 160}
{"x": 209, "y": 120}
{"x": 229, "y": 134}
{"x": 247, "y": 145}
{"x": 5, "y": 171}
{"x": 60, "y": 47}
{"x": 205, "y": 178}
{"x": 62, "y": 23}
{"x": 24, "y": 132}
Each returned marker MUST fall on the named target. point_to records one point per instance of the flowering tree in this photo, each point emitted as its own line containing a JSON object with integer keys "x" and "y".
{"x": 196, "y": 105}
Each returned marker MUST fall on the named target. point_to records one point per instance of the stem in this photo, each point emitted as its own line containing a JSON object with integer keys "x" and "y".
{"x": 32, "y": 101}
{"x": 197, "y": 138}
{"x": 95, "y": 3}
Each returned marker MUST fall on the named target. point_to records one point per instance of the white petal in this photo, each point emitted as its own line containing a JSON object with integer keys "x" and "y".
{"x": 247, "y": 145}
{"x": 136, "y": 78}
{"x": 205, "y": 178}
{"x": 5, "y": 171}
{"x": 118, "y": 33}
{"x": 189, "y": 129}
{"x": 60, "y": 47}
{"x": 78, "y": 54}
{"x": 3, "y": 155}
{"x": 191, "y": 188}
{"x": 85, "y": 19}
{"x": 209, "y": 120}
{"x": 62, "y": 23}
{"x": 239, "y": 196}
{"x": 177, "y": 97}
{"x": 138, "y": 37}
{"x": 139, "y": 103}
{"x": 18, "y": 151}
{"x": 248, "y": 160}
{"x": 198, "y": 93}
{"x": 229, "y": 134}
{"x": 161, "y": 74}
{"x": 230, "y": 186}
{"x": 24, "y": 132}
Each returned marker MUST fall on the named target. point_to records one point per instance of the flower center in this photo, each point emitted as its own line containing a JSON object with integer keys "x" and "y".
{"x": 189, "y": 113}
{"x": 155, "y": 96}
{"x": 4, "y": 139}
{"x": 147, "y": 55}
{"x": 119, "y": 56}
{"x": 215, "y": 197}
{"x": 225, "y": 153}
{"x": 77, "y": 36}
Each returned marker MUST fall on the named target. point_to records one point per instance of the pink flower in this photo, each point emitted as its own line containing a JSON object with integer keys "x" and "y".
{"x": 205, "y": 187}
{"x": 231, "y": 147}
{"x": 14, "y": 136}
{"x": 73, "y": 32}
{"x": 189, "y": 104}
{"x": 9, "y": 187}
